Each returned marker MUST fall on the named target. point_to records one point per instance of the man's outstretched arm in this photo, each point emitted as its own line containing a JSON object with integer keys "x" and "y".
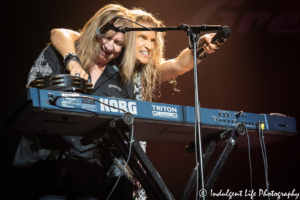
{"x": 184, "y": 62}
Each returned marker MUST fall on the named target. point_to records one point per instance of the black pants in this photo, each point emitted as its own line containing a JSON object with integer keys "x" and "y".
{"x": 20, "y": 186}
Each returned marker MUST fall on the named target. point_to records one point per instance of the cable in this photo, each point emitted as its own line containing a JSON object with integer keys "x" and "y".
{"x": 264, "y": 153}
{"x": 192, "y": 37}
{"x": 266, "y": 166}
{"x": 54, "y": 100}
{"x": 249, "y": 154}
{"x": 139, "y": 24}
{"x": 266, "y": 160}
{"x": 131, "y": 140}
{"x": 76, "y": 108}
{"x": 197, "y": 166}
{"x": 196, "y": 145}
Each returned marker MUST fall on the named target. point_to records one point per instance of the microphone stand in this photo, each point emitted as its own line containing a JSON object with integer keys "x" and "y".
{"x": 194, "y": 33}
{"x": 182, "y": 27}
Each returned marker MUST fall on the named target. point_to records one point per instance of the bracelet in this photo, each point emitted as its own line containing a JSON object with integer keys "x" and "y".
{"x": 202, "y": 56}
{"x": 71, "y": 57}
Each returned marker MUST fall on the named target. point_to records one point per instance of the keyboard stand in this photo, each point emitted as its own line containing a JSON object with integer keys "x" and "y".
{"x": 152, "y": 183}
{"x": 232, "y": 136}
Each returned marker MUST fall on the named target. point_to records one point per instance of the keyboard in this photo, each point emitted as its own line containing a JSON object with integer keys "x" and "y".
{"x": 79, "y": 114}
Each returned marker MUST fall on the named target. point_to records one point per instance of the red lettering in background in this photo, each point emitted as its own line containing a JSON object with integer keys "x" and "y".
{"x": 287, "y": 22}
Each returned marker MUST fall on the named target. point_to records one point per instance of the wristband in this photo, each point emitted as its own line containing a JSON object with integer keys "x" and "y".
{"x": 71, "y": 57}
{"x": 202, "y": 57}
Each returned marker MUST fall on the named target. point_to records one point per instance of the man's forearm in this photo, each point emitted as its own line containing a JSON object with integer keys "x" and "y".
{"x": 63, "y": 41}
{"x": 172, "y": 68}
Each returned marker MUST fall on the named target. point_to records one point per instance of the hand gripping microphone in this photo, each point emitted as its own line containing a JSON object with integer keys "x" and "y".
{"x": 101, "y": 31}
{"x": 219, "y": 37}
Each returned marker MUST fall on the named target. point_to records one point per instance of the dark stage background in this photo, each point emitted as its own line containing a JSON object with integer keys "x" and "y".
{"x": 255, "y": 71}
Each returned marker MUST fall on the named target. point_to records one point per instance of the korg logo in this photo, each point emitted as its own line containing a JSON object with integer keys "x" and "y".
{"x": 128, "y": 106}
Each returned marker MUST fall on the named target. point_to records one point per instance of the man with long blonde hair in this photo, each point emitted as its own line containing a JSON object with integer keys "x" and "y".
{"x": 58, "y": 166}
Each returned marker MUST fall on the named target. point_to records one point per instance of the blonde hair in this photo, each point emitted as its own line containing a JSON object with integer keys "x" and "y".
{"x": 150, "y": 73}
{"x": 87, "y": 46}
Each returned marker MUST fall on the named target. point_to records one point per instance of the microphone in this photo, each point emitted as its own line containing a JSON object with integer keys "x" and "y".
{"x": 219, "y": 37}
{"x": 101, "y": 31}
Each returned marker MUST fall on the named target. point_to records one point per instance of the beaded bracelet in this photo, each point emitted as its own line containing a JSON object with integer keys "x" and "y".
{"x": 71, "y": 57}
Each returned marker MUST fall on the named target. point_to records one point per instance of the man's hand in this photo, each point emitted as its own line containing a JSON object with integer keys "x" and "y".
{"x": 205, "y": 43}
{"x": 74, "y": 68}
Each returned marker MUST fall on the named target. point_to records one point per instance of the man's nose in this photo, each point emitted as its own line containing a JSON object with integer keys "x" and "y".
{"x": 109, "y": 46}
{"x": 149, "y": 45}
